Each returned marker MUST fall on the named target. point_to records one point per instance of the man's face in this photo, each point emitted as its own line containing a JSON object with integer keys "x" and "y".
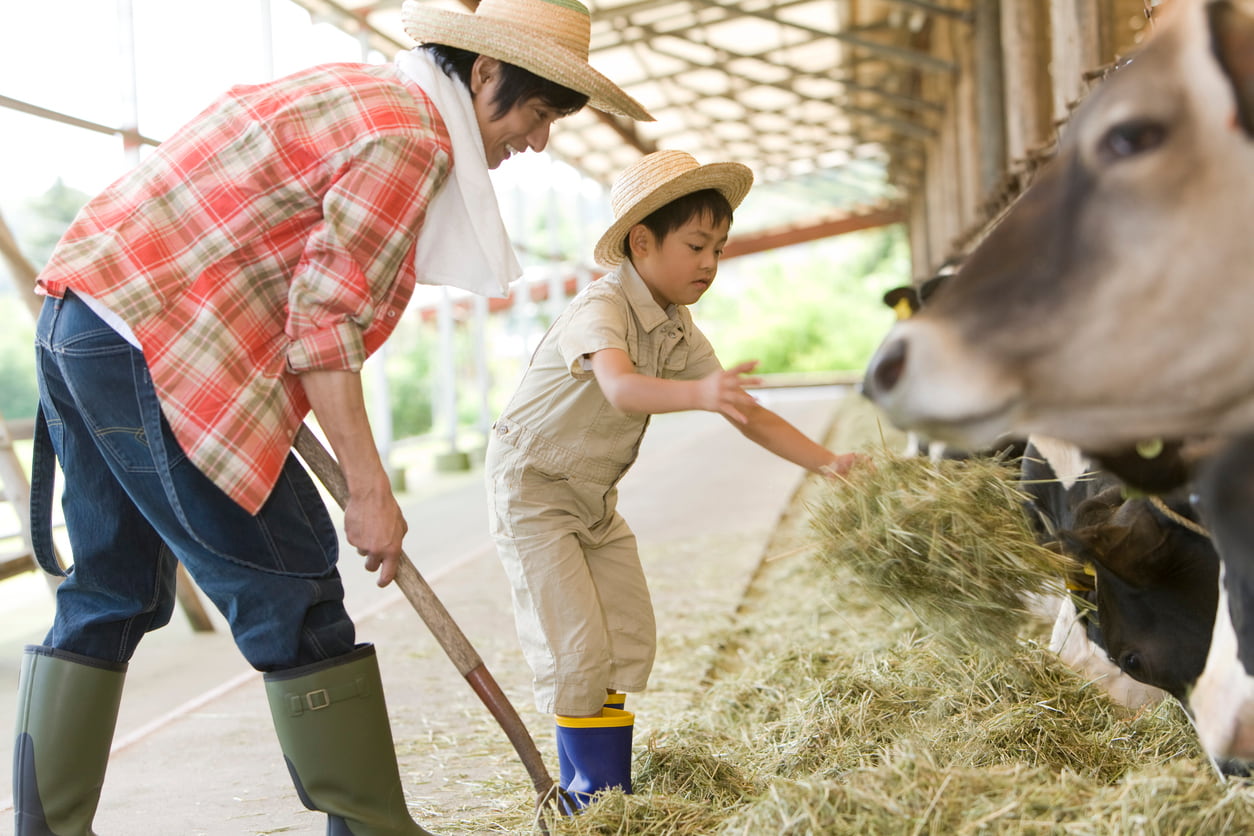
{"x": 524, "y": 127}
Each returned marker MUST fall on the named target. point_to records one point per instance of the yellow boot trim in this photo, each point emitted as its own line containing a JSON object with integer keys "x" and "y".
{"x": 610, "y": 717}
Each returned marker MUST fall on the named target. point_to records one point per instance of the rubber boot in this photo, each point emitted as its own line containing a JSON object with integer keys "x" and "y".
{"x": 332, "y": 723}
{"x": 615, "y": 699}
{"x": 596, "y": 752}
{"x": 67, "y": 710}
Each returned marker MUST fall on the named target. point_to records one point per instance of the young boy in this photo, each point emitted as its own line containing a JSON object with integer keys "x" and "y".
{"x": 625, "y": 348}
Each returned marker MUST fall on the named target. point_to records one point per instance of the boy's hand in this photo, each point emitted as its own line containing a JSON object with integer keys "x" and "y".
{"x": 841, "y": 464}
{"x": 723, "y": 392}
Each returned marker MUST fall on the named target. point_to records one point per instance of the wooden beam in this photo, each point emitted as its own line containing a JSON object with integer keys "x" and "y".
{"x": 964, "y": 15}
{"x": 774, "y": 239}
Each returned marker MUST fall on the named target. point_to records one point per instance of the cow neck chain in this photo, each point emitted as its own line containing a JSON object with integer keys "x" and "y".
{"x": 1158, "y": 503}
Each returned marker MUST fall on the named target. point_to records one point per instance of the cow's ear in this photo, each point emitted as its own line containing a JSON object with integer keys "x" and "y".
{"x": 1232, "y": 40}
{"x": 1102, "y": 544}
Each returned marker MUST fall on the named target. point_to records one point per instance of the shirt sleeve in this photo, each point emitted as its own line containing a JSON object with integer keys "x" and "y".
{"x": 371, "y": 215}
{"x": 591, "y": 324}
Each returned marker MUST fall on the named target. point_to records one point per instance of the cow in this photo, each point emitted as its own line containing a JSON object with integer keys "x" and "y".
{"x": 1107, "y": 307}
{"x": 905, "y": 301}
{"x": 1150, "y": 578}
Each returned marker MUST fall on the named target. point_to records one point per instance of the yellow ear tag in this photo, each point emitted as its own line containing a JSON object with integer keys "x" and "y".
{"x": 1151, "y": 449}
{"x": 902, "y": 309}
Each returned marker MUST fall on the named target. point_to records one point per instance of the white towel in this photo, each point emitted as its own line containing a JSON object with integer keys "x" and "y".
{"x": 463, "y": 242}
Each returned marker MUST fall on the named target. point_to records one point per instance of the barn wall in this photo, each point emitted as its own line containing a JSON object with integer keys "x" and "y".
{"x": 1026, "y": 47}
{"x": 1045, "y": 59}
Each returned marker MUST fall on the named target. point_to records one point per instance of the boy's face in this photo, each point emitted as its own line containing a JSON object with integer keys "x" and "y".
{"x": 681, "y": 267}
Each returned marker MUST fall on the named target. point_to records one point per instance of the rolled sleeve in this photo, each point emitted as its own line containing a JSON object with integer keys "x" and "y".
{"x": 340, "y": 347}
{"x": 371, "y": 218}
{"x": 594, "y": 324}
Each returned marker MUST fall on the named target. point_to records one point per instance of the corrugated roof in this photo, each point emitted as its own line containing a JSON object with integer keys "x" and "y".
{"x": 817, "y": 96}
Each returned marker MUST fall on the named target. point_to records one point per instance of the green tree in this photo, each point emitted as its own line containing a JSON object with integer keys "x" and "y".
{"x": 19, "y": 394}
{"x": 50, "y": 215}
{"x": 410, "y": 373}
{"x": 810, "y": 308}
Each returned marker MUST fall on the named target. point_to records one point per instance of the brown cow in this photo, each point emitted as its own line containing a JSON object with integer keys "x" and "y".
{"x": 1108, "y": 307}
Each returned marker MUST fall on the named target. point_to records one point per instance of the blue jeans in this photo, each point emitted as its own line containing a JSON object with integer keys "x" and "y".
{"x": 134, "y": 505}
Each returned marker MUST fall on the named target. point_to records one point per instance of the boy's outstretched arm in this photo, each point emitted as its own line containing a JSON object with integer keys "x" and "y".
{"x": 723, "y": 392}
{"x": 629, "y": 391}
{"x": 774, "y": 433}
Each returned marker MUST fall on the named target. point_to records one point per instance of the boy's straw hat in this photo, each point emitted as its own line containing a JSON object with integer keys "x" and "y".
{"x": 548, "y": 37}
{"x": 654, "y": 181}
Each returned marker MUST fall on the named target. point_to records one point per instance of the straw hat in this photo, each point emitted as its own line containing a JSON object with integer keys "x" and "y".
{"x": 548, "y": 37}
{"x": 654, "y": 181}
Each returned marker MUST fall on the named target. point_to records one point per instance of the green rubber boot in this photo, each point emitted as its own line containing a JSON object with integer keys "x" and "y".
{"x": 333, "y": 726}
{"x": 67, "y": 709}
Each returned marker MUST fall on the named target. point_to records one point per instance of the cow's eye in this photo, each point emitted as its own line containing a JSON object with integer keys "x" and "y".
{"x": 1130, "y": 138}
{"x": 1130, "y": 663}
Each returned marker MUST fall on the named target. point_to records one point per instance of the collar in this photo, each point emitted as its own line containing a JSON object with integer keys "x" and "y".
{"x": 646, "y": 308}
{"x": 463, "y": 241}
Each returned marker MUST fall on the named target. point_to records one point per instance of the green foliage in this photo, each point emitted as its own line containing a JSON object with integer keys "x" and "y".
{"x": 50, "y": 215}
{"x": 809, "y": 308}
{"x": 18, "y": 393}
{"x": 410, "y": 373}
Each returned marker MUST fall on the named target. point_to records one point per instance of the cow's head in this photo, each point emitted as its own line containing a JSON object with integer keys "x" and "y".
{"x": 1110, "y": 304}
{"x": 1155, "y": 589}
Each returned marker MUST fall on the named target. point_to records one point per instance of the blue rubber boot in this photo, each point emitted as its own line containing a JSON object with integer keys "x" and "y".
{"x": 594, "y": 754}
{"x": 617, "y": 700}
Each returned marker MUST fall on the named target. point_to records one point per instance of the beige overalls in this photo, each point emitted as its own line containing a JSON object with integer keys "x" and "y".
{"x": 581, "y": 603}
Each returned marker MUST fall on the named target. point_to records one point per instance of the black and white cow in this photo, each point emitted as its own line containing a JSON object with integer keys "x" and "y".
{"x": 1111, "y": 304}
{"x": 1149, "y": 576}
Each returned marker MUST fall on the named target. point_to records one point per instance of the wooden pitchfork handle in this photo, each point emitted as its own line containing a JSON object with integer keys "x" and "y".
{"x": 443, "y": 627}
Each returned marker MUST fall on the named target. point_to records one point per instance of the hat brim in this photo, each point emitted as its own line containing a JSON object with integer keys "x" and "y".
{"x": 733, "y": 180}
{"x": 499, "y": 40}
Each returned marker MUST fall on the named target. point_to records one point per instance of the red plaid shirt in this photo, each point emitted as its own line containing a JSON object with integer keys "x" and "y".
{"x": 273, "y": 234}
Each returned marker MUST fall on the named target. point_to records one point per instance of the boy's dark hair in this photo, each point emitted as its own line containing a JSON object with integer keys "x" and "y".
{"x": 517, "y": 85}
{"x": 707, "y": 203}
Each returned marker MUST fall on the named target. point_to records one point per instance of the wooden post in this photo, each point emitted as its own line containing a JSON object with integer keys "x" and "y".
{"x": 1075, "y": 49}
{"x": 1025, "y": 61}
{"x": 990, "y": 111}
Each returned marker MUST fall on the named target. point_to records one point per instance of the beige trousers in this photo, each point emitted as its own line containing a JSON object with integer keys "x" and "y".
{"x": 581, "y": 604}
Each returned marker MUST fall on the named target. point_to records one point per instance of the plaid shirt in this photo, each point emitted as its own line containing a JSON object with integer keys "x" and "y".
{"x": 273, "y": 234}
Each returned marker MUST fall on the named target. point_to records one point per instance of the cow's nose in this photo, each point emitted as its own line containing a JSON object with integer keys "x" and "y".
{"x": 887, "y": 367}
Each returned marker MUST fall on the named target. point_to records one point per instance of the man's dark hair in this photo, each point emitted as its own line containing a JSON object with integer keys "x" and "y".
{"x": 517, "y": 85}
{"x": 707, "y": 203}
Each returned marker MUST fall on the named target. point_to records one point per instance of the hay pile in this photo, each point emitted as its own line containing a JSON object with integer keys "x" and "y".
{"x": 828, "y": 733}
{"x": 947, "y": 540}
